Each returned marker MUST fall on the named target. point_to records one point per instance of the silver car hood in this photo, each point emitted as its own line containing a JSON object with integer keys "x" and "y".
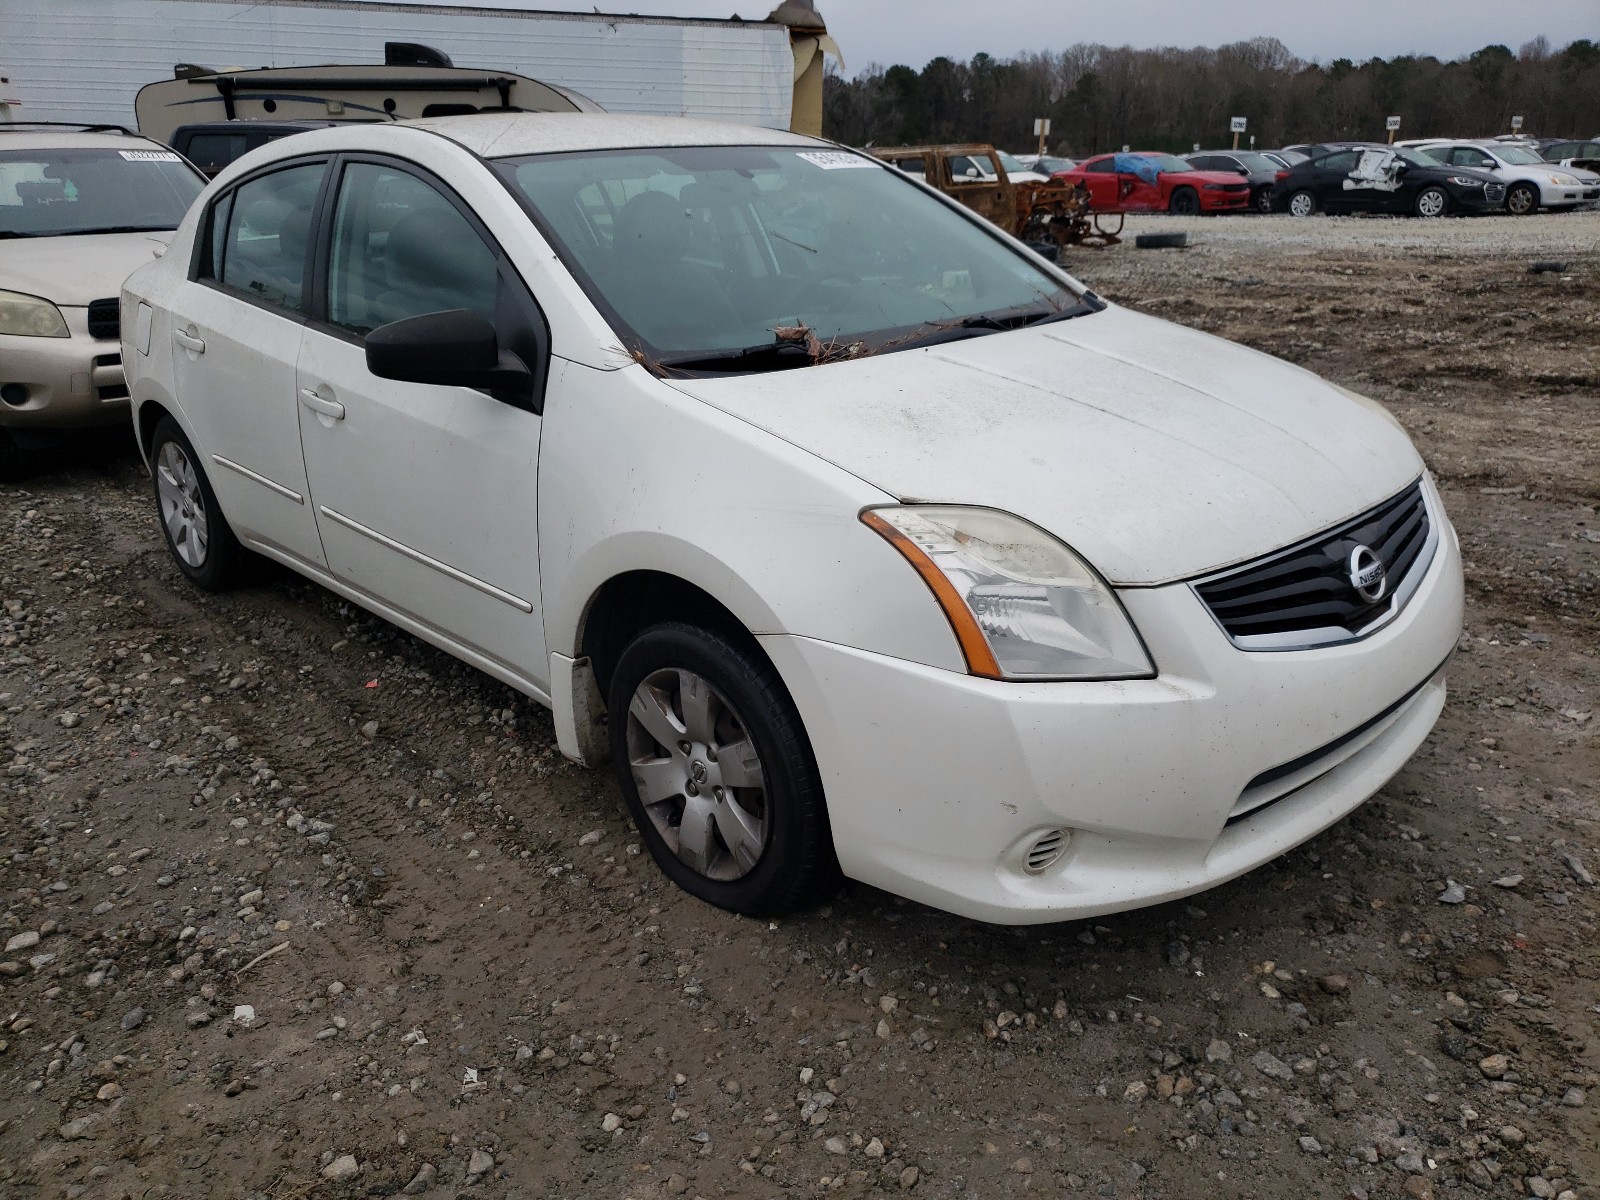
{"x": 77, "y": 269}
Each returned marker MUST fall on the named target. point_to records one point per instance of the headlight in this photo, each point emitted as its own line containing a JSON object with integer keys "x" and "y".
{"x": 1465, "y": 181}
{"x": 29, "y": 316}
{"x": 1564, "y": 180}
{"x": 1022, "y": 605}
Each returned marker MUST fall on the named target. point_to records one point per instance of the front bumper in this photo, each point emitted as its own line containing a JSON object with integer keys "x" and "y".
{"x": 1224, "y": 201}
{"x": 939, "y": 784}
{"x": 73, "y": 382}
{"x": 1477, "y": 199}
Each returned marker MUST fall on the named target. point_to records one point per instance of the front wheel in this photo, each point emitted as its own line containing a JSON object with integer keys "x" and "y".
{"x": 1185, "y": 202}
{"x": 1302, "y": 204}
{"x": 717, "y": 771}
{"x": 1264, "y": 199}
{"x": 198, "y": 535}
{"x": 1522, "y": 200}
{"x": 1432, "y": 202}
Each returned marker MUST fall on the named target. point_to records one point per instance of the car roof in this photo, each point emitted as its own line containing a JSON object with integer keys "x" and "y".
{"x": 24, "y": 138}
{"x": 509, "y": 135}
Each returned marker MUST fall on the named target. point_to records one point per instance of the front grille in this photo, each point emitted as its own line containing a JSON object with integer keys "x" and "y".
{"x": 1495, "y": 193}
{"x": 1305, "y": 596}
{"x": 105, "y": 319}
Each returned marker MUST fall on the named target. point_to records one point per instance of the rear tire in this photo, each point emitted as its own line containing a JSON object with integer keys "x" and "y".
{"x": 1301, "y": 204}
{"x": 1522, "y": 200}
{"x": 197, "y": 534}
{"x": 1431, "y": 202}
{"x": 717, "y": 771}
{"x": 1263, "y": 199}
{"x": 1184, "y": 202}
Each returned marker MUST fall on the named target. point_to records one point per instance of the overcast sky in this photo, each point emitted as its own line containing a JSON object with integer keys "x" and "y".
{"x": 913, "y": 31}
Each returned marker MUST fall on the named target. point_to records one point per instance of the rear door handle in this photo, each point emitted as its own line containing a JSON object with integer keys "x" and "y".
{"x": 188, "y": 341}
{"x": 326, "y": 408}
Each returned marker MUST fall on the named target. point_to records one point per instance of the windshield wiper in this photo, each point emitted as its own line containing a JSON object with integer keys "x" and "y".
{"x": 11, "y": 233}
{"x": 115, "y": 229}
{"x": 983, "y": 323}
{"x": 765, "y": 357}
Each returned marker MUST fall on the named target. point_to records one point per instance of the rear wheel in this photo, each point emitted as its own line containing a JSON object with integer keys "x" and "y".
{"x": 1432, "y": 202}
{"x": 717, "y": 771}
{"x": 198, "y": 535}
{"x": 1263, "y": 200}
{"x": 1185, "y": 202}
{"x": 1302, "y": 204}
{"x": 1522, "y": 200}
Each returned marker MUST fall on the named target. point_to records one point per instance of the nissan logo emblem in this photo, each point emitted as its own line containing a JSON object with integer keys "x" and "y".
{"x": 1367, "y": 574}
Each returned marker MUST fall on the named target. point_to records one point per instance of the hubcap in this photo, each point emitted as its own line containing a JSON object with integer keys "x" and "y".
{"x": 1521, "y": 201}
{"x": 183, "y": 507}
{"x": 698, "y": 775}
{"x": 1431, "y": 204}
{"x": 1300, "y": 205}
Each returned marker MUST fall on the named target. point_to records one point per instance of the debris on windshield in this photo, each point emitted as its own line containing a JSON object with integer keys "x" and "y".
{"x": 833, "y": 350}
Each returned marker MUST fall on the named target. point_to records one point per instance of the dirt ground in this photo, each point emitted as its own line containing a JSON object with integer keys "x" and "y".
{"x": 463, "y": 979}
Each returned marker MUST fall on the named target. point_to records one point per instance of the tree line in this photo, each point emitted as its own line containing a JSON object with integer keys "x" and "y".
{"x": 1100, "y": 98}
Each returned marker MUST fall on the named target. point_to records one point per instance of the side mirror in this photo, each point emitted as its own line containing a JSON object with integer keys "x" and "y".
{"x": 455, "y": 348}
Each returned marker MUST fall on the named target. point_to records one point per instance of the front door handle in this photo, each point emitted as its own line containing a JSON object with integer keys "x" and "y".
{"x": 320, "y": 406}
{"x": 188, "y": 341}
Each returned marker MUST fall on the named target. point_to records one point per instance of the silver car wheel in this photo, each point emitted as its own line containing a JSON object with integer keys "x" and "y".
{"x": 183, "y": 506}
{"x": 1301, "y": 204}
{"x": 1431, "y": 203}
{"x": 698, "y": 775}
{"x": 1521, "y": 201}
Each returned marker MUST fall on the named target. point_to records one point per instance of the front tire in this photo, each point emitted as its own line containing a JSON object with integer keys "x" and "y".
{"x": 1431, "y": 202}
{"x": 198, "y": 535}
{"x": 1185, "y": 202}
{"x": 717, "y": 771}
{"x": 14, "y": 460}
{"x": 1522, "y": 200}
{"x": 1302, "y": 204}
{"x": 1263, "y": 202}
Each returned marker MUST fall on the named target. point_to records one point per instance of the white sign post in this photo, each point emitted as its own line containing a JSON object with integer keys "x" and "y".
{"x": 1393, "y": 126}
{"x": 1041, "y": 130}
{"x": 1516, "y": 124}
{"x": 1236, "y": 126}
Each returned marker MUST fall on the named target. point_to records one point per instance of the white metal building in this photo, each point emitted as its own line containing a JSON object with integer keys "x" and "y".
{"x": 84, "y": 60}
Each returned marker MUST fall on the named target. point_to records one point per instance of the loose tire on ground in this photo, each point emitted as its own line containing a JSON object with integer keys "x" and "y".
{"x": 197, "y": 534}
{"x": 1161, "y": 241}
{"x": 717, "y": 771}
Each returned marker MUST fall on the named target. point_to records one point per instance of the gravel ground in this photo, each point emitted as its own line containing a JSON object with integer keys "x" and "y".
{"x": 1547, "y": 235}
{"x": 295, "y": 906}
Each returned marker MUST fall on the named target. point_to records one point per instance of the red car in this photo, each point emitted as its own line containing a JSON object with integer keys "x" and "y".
{"x": 1150, "y": 182}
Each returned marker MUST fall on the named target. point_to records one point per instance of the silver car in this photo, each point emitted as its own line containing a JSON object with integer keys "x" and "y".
{"x": 80, "y": 208}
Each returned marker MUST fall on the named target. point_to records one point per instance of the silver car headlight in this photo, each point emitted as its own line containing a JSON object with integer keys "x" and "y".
{"x": 1564, "y": 180}
{"x": 1022, "y": 605}
{"x": 23, "y": 315}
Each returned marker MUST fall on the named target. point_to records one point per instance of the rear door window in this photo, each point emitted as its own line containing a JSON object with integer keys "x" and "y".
{"x": 264, "y": 252}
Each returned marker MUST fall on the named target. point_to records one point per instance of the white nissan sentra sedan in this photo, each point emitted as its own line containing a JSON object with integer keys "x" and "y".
{"x": 862, "y": 539}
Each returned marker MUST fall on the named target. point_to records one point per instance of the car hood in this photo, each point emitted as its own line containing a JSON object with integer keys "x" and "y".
{"x": 1205, "y": 176}
{"x": 75, "y": 270}
{"x": 1158, "y": 452}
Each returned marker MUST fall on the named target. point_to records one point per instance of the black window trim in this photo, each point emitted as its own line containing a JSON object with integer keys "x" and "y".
{"x": 199, "y": 260}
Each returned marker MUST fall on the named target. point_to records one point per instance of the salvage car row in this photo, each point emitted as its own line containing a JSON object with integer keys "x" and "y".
{"x": 668, "y": 425}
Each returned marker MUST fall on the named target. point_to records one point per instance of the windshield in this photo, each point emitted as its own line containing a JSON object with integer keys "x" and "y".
{"x": 1256, "y": 162}
{"x": 51, "y": 192}
{"x": 698, "y": 250}
{"x": 1518, "y": 156}
{"x": 1011, "y": 165}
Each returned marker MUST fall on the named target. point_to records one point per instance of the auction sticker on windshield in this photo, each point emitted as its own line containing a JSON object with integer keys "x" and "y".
{"x": 836, "y": 160}
{"x": 149, "y": 155}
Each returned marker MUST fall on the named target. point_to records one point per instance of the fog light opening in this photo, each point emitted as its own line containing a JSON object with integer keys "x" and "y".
{"x": 14, "y": 394}
{"x": 1046, "y": 851}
